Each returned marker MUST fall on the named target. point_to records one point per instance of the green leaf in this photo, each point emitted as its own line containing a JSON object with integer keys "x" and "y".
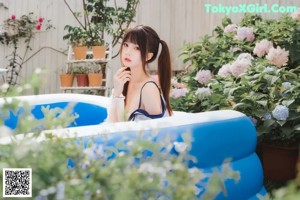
{"x": 297, "y": 127}
{"x": 269, "y": 122}
{"x": 287, "y": 102}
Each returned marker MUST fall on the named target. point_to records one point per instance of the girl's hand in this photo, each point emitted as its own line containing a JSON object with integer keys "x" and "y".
{"x": 120, "y": 78}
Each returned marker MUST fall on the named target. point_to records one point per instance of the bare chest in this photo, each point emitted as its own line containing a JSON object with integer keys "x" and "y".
{"x": 133, "y": 98}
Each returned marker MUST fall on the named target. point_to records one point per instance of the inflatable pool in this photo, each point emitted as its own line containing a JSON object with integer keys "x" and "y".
{"x": 217, "y": 135}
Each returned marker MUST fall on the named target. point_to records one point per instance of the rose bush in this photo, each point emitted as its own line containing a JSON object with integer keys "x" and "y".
{"x": 15, "y": 31}
{"x": 252, "y": 67}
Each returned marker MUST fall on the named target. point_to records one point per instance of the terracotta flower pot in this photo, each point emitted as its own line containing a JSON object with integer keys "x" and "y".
{"x": 95, "y": 79}
{"x": 66, "y": 80}
{"x": 279, "y": 163}
{"x": 98, "y": 52}
{"x": 80, "y": 52}
{"x": 82, "y": 80}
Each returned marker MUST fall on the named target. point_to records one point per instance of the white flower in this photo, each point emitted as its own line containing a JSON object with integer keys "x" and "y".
{"x": 4, "y": 87}
{"x": 180, "y": 147}
{"x": 230, "y": 28}
{"x": 149, "y": 168}
{"x": 224, "y": 71}
{"x": 245, "y": 33}
{"x": 286, "y": 85}
{"x": 280, "y": 112}
{"x": 239, "y": 66}
{"x": 38, "y": 71}
{"x": 262, "y": 47}
{"x": 246, "y": 56}
{"x": 203, "y": 76}
{"x": 278, "y": 56}
{"x": 296, "y": 15}
{"x": 5, "y": 131}
{"x": 177, "y": 93}
{"x": 203, "y": 92}
{"x": 94, "y": 152}
{"x": 268, "y": 115}
{"x": 269, "y": 69}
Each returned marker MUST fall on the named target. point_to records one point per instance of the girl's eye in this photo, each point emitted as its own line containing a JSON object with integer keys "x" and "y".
{"x": 125, "y": 44}
{"x": 137, "y": 48}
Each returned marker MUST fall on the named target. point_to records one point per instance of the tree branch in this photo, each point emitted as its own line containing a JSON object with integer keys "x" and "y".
{"x": 74, "y": 14}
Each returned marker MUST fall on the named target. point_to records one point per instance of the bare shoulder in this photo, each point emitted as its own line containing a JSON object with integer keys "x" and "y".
{"x": 151, "y": 98}
{"x": 151, "y": 89}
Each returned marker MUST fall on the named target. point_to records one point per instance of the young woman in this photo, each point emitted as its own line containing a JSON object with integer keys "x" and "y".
{"x": 136, "y": 95}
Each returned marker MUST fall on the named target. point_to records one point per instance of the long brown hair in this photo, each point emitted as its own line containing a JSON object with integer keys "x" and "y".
{"x": 148, "y": 41}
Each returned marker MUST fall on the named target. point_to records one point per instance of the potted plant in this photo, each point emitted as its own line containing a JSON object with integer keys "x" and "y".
{"x": 252, "y": 67}
{"x": 95, "y": 75}
{"x": 67, "y": 78}
{"x": 104, "y": 19}
{"x": 78, "y": 39}
{"x": 81, "y": 73}
{"x": 96, "y": 42}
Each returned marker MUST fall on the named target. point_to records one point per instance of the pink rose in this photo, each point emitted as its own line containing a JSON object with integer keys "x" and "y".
{"x": 13, "y": 17}
{"x": 41, "y": 20}
{"x": 38, "y": 26}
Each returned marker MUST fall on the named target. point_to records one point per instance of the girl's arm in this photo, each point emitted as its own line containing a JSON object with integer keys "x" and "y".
{"x": 117, "y": 108}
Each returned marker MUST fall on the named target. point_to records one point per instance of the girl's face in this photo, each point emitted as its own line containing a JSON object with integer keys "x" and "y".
{"x": 131, "y": 55}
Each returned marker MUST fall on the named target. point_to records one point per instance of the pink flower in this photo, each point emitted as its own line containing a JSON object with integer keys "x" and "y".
{"x": 38, "y": 26}
{"x": 278, "y": 56}
{"x": 262, "y": 47}
{"x": 203, "y": 76}
{"x": 13, "y": 17}
{"x": 239, "y": 66}
{"x": 296, "y": 15}
{"x": 246, "y": 56}
{"x": 203, "y": 92}
{"x": 230, "y": 28}
{"x": 177, "y": 93}
{"x": 245, "y": 33}
{"x": 224, "y": 71}
{"x": 177, "y": 85}
{"x": 41, "y": 20}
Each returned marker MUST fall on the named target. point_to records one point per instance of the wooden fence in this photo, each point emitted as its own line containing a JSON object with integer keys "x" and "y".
{"x": 176, "y": 21}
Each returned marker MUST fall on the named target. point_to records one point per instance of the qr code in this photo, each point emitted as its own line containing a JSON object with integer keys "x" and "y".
{"x": 17, "y": 182}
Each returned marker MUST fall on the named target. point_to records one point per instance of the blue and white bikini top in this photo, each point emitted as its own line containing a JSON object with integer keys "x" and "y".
{"x": 141, "y": 114}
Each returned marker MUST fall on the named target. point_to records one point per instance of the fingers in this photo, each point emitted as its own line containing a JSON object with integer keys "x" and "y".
{"x": 121, "y": 70}
{"x": 120, "y": 78}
